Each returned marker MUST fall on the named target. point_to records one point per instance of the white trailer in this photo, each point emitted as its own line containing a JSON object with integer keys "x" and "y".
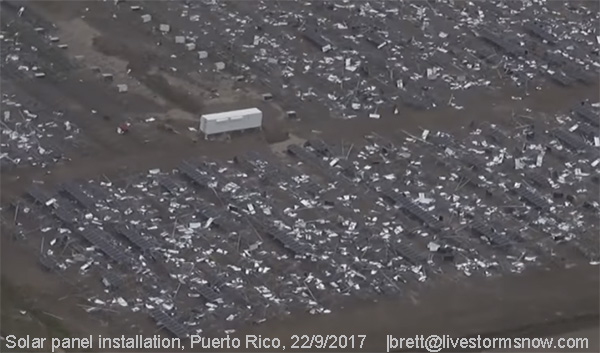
{"x": 235, "y": 120}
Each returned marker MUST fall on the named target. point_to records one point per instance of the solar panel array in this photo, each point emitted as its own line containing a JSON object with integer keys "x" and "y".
{"x": 319, "y": 146}
{"x": 496, "y": 135}
{"x": 312, "y": 188}
{"x": 441, "y": 140}
{"x": 99, "y": 238}
{"x": 587, "y": 115}
{"x": 228, "y": 223}
{"x": 587, "y": 130}
{"x": 486, "y": 231}
{"x": 65, "y": 214}
{"x": 76, "y": 193}
{"x": 207, "y": 293}
{"x": 208, "y": 211}
{"x": 419, "y": 213}
{"x": 472, "y": 162}
{"x": 169, "y": 184}
{"x": 570, "y": 140}
{"x": 134, "y": 237}
{"x": 48, "y": 263}
{"x": 536, "y": 30}
{"x": 38, "y": 195}
{"x": 537, "y": 179}
{"x": 408, "y": 253}
{"x": 283, "y": 238}
{"x": 215, "y": 280}
{"x": 169, "y": 323}
{"x": 532, "y": 197}
{"x": 303, "y": 154}
{"x": 192, "y": 172}
{"x": 288, "y": 242}
{"x": 112, "y": 279}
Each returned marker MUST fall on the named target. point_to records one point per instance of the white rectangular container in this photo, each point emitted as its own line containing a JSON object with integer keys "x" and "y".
{"x": 235, "y": 120}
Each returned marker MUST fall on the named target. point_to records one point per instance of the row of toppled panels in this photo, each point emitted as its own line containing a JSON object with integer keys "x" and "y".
{"x": 319, "y": 146}
{"x": 303, "y": 154}
{"x": 286, "y": 240}
{"x": 487, "y": 232}
{"x": 48, "y": 262}
{"x": 215, "y": 280}
{"x": 38, "y": 195}
{"x": 113, "y": 279}
{"x": 409, "y": 254}
{"x": 290, "y": 243}
{"x": 65, "y": 214}
{"x": 134, "y": 237}
{"x": 169, "y": 323}
{"x": 537, "y": 178}
{"x": 78, "y": 195}
{"x": 587, "y": 115}
{"x": 169, "y": 184}
{"x": 192, "y": 172}
{"x": 100, "y": 239}
{"x": 540, "y": 32}
{"x": 207, "y": 293}
{"x": 532, "y": 197}
{"x": 207, "y": 211}
{"x": 570, "y": 140}
{"x": 413, "y": 209}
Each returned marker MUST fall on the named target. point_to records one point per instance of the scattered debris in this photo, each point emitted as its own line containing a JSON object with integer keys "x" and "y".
{"x": 164, "y": 28}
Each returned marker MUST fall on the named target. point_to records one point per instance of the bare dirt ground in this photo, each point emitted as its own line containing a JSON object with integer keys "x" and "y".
{"x": 553, "y": 302}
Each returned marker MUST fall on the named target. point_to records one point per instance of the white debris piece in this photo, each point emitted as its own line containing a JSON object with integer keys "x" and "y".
{"x": 146, "y": 18}
{"x": 433, "y": 247}
{"x": 519, "y": 164}
{"x": 29, "y": 114}
{"x": 202, "y": 55}
{"x": 424, "y": 200}
{"x": 432, "y": 74}
{"x": 539, "y": 160}
{"x": 425, "y": 134}
{"x": 179, "y": 39}
{"x": 165, "y": 28}
{"x": 122, "y": 88}
{"x": 220, "y": 66}
{"x": 99, "y": 302}
{"x": 122, "y": 302}
{"x": 190, "y": 46}
{"x": 195, "y": 225}
{"x": 374, "y": 116}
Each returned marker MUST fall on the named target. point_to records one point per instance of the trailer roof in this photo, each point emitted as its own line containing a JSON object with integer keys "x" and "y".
{"x": 232, "y": 113}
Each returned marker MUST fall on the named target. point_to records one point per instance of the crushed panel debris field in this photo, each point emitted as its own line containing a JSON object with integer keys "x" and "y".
{"x": 227, "y": 165}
